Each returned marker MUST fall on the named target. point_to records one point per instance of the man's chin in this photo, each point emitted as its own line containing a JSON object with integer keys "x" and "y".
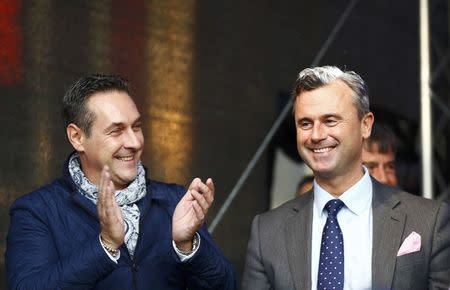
{"x": 323, "y": 171}
{"x": 122, "y": 181}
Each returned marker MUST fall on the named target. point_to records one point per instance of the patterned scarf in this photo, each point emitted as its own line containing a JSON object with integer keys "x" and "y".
{"x": 125, "y": 198}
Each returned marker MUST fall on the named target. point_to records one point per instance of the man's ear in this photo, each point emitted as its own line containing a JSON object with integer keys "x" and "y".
{"x": 366, "y": 125}
{"x": 76, "y": 137}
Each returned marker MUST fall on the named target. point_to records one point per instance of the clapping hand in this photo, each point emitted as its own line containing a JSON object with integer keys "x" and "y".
{"x": 110, "y": 216}
{"x": 191, "y": 212}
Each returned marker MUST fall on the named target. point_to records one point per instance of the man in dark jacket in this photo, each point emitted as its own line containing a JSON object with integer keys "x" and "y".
{"x": 104, "y": 224}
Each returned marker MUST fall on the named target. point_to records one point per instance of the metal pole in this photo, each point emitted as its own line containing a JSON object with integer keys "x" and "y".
{"x": 425, "y": 103}
{"x": 287, "y": 108}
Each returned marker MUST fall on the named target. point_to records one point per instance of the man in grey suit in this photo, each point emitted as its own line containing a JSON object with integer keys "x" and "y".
{"x": 349, "y": 231}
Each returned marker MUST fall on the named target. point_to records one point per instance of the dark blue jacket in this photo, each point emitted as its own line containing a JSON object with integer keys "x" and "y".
{"x": 53, "y": 243}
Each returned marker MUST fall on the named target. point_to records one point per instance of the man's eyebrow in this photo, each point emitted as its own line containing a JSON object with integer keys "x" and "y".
{"x": 114, "y": 125}
{"x": 326, "y": 116}
{"x": 303, "y": 119}
{"x": 121, "y": 124}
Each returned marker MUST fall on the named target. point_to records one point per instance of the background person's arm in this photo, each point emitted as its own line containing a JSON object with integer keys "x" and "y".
{"x": 439, "y": 276}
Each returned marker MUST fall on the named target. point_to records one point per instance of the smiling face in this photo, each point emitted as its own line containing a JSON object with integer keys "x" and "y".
{"x": 116, "y": 138}
{"x": 329, "y": 133}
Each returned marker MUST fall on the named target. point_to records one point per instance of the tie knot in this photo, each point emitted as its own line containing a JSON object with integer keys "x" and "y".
{"x": 333, "y": 207}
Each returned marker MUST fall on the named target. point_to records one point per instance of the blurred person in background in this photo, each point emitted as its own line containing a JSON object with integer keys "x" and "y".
{"x": 379, "y": 152}
{"x": 305, "y": 184}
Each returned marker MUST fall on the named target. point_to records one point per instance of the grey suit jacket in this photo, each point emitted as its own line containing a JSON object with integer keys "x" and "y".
{"x": 279, "y": 250}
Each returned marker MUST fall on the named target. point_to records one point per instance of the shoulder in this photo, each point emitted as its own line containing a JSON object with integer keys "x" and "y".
{"x": 386, "y": 194}
{"x": 43, "y": 201}
{"x": 43, "y": 194}
{"x": 417, "y": 207}
{"x": 417, "y": 202}
{"x": 286, "y": 211}
{"x": 423, "y": 210}
{"x": 281, "y": 210}
{"x": 413, "y": 202}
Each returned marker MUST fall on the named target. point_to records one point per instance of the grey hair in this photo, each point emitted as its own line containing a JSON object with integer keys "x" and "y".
{"x": 313, "y": 78}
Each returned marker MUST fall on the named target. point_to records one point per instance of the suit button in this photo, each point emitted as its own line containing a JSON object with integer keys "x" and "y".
{"x": 135, "y": 267}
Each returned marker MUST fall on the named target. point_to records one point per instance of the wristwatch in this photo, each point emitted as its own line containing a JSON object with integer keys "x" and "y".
{"x": 195, "y": 240}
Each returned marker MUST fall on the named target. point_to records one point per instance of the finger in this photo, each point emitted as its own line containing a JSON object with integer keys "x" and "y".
{"x": 198, "y": 211}
{"x": 187, "y": 196}
{"x": 107, "y": 202}
{"x": 112, "y": 215}
{"x": 195, "y": 183}
{"x": 107, "y": 191}
{"x": 208, "y": 191}
{"x": 210, "y": 184}
{"x": 101, "y": 191}
{"x": 201, "y": 201}
{"x": 104, "y": 177}
{"x": 210, "y": 196}
{"x": 110, "y": 200}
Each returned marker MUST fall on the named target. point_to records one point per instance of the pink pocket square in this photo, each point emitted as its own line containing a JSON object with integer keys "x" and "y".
{"x": 410, "y": 245}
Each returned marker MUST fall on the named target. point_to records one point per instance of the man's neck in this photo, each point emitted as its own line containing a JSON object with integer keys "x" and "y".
{"x": 337, "y": 185}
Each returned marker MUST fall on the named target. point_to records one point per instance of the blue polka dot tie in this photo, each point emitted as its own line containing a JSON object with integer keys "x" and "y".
{"x": 331, "y": 263}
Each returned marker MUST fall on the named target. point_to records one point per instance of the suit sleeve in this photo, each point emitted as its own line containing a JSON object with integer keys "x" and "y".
{"x": 255, "y": 276}
{"x": 33, "y": 261}
{"x": 439, "y": 277}
{"x": 208, "y": 269}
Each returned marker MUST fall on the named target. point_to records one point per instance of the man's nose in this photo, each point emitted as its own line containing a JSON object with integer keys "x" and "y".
{"x": 381, "y": 175}
{"x": 318, "y": 132}
{"x": 132, "y": 139}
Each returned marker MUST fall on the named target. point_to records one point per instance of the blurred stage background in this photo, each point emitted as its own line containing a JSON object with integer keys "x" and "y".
{"x": 209, "y": 78}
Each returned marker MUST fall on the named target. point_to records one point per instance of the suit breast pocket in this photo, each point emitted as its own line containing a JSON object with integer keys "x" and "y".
{"x": 414, "y": 261}
{"x": 411, "y": 272}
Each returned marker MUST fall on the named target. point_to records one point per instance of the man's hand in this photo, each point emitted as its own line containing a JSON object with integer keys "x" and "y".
{"x": 191, "y": 211}
{"x": 110, "y": 216}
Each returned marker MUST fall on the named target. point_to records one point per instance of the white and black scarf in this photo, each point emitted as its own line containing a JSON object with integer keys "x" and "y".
{"x": 125, "y": 198}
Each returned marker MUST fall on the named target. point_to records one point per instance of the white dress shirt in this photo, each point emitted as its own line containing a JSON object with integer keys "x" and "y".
{"x": 355, "y": 220}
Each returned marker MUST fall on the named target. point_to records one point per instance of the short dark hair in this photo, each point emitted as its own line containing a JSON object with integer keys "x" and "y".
{"x": 383, "y": 138}
{"x": 74, "y": 102}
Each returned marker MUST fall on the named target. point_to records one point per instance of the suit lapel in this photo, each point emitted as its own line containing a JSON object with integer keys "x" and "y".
{"x": 388, "y": 227}
{"x": 298, "y": 241}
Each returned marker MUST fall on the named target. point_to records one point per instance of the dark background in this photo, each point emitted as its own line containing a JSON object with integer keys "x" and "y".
{"x": 209, "y": 79}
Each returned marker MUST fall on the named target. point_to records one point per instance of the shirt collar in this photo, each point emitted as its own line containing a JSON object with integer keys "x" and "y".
{"x": 357, "y": 198}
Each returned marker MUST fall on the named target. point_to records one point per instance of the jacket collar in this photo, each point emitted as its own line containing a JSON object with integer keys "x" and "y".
{"x": 388, "y": 227}
{"x": 298, "y": 240}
